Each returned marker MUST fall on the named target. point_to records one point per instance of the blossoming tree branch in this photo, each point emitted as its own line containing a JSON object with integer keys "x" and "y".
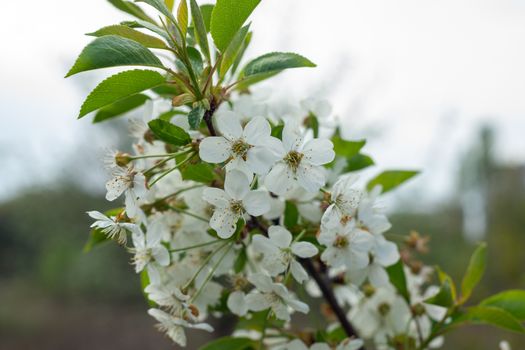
{"x": 231, "y": 206}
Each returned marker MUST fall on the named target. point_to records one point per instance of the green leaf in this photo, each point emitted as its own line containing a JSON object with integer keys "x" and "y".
{"x": 512, "y": 301}
{"x": 200, "y": 29}
{"x": 246, "y": 82}
{"x": 390, "y": 179}
{"x": 232, "y": 51}
{"x": 492, "y": 316}
{"x": 241, "y": 52}
{"x": 240, "y": 262}
{"x": 227, "y": 18}
{"x": 345, "y": 148}
{"x": 113, "y": 51}
{"x": 195, "y": 60}
{"x": 96, "y": 237}
{"x": 277, "y": 131}
{"x": 475, "y": 271}
{"x": 169, "y": 133}
{"x": 120, "y": 107}
{"x": 132, "y": 9}
{"x": 160, "y": 6}
{"x": 195, "y": 117}
{"x": 182, "y": 17}
{"x": 443, "y": 297}
{"x": 120, "y": 86}
{"x": 312, "y": 123}
{"x": 200, "y": 172}
{"x": 445, "y": 278}
{"x": 276, "y": 62}
{"x": 144, "y": 282}
{"x": 152, "y": 27}
{"x": 169, "y": 4}
{"x": 230, "y": 343}
{"x": 130, "y": 33}
{"x": 206, "y": 11}
{"x": 358, "y": 162}
{"x": 398, "y": 279}
{"x": 291, "y": 214}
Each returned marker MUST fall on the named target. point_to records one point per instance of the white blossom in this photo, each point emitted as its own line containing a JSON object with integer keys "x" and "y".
{"x": 279, "y": 252}
{"x": 114, "y": 230}
{"x": 273, "y": 295}
{"x": 344, "y": 202}
{"x": 130, "y": 182}
{"x": 234, "y": 202}
{"x": 148, "y": 248}
{"x": 300, "y": 162}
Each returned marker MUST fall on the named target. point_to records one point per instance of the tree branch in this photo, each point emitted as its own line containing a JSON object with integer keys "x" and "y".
{"x": 208, "y": 117}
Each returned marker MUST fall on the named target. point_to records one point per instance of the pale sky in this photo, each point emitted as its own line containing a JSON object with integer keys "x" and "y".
{"x": 414, "y": 76}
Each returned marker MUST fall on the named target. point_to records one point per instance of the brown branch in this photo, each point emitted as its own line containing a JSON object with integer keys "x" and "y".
{"x": 208, "y": 117}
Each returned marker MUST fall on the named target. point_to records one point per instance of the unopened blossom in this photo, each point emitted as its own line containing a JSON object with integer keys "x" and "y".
{"x": 344, "y": 200}
{"x": 148, "y": 249}
{"x": 174, "y": 326}
{"x": 300, "y": 162}
{"x": 274, "y": 296}
{"x": 346, "y": 245}
{"x": 130, "y": 182}
{"x": 279, "y": 252}
{"x": 113, "y": 230}
{"x": 234, "y": 202}
{"x": 249, "y": 150}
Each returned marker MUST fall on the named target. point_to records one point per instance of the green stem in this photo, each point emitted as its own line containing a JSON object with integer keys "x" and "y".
{"x": 194, "y": 246}
{"x": 185, "y": 212}
{"x": 203, "y": 265}
{"x": 172, "y": 169}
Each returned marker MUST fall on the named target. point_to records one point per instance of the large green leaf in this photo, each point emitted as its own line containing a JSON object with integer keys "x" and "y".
{"x": 130, "y": 33}
{"x": 207, "y": 10}
{"x": 113, "y": 51}
{"x": 490, "y": 315}
{"x": 475, "y": 271}
{"x": 169, "y": 133}
{"x": 230, "y": 54}
{"x": 120, "y": 107}
{"x": 200, "y": 172}
{"x": 227, "y": 18}
{"x": 119, "y": 86}
{"x": 230, "y": 343}
{"x": 512, "y": 301}
{"x": 276, "y": 62}
{"x": 390, "y": 179}
{"x": 132, "y": 9}
{"x": 200, "y": 28}
{"x": 396, "y": 273}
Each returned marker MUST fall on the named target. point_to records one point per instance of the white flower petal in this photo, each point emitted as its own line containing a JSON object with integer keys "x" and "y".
{"x": 280, "y": 236}
{"x": 236, "y": 184}
{"x": 310, "y": 177}
{"x": 229, "y": 125}
{"x": 319, "y": 151}
{"x": 386, "y": 253}
{"x": 161, "y": 255}
{"x": 292, "y": 138}
{"x": 261, "y": 281}
{"x": 378, "y": 276}
{"x": 259, "y": 160}
{"x": 115, "y": 187}
{"x": 280, "y": 179}
{"x": 298, "y": 272}
{"x": 214, "y": 149}
{"x": 256, "y": 130}
{"x": 216, "y": 197}
{"x": 257, "y": 202}
{"x": 237, "y": 303}
{"x": 304, "y": 249}
{"x": 224, "y": 222}
{"x": 257, "y": 302}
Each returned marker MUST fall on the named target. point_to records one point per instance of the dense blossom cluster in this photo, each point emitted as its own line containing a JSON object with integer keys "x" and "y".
{"x": 237, "y": 242}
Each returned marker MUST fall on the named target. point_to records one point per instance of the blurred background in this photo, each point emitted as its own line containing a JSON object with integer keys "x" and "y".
{"x": 434, "y": 86}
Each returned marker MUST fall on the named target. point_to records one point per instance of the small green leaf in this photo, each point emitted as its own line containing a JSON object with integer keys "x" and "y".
{"x": 144, "y": 282}
{"x": 277, "y": 131}
{"x": 195, "y": 117}
{"x": 240, "y": 262}
{"x": 358, "y": 162}
{"x": 151, "y": 27}
{"x": 276, "y": 62}
{"x": 120, "y": 107}
{"x": 200, "y": 172}
{"x": 241, "y": 52}
{"x": 169, "y": 4}
{"x": 113, "y": 51}
{"x": 443, "y": 297}
{"x": 182, "y": 17}
{"x": 390, "y": 179}
{"x": 475, "y": 271}
{"x": 160, "y": 6}
{"x": 132, "y": 34}
{"x": 120, "y": 86}
{"x": 230, "y": 343}
{"x": 246, "y": 82}
{"x": 132, "y": 9}
{"x": 398, "y": 279}
{"x": 227, "y": 18}
{"x": 490, "y": 315}
{"x": 312, "y": 123}
{"x": 445, "y": 278}
{"x": 512, "y": 301}
{"x": 196, "y": 60}
{"x": 345, "y": 148}
{"x": 291, "y": 214}
{"x": 230, "y": 54}
{"x": 206, "y": 11}
{"x": 96, "y": 237}
{"x": 200, "y": 29}
{"x": 169, "y": 133}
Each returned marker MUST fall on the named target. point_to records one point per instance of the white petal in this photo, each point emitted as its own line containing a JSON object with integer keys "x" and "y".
{"x": 357, "y": 259}
{"x": 319, "y": 151}
{"x": 237, "y": 303}
{"x": 362, "y": 240}
{"x": 280, "y": 236}
{"x": 280, "y": 179}
{"x": 256, "y": 130}
{"x": 216, "y": 197}
{"x": 229, "y": 125}
{"x": 262, "y": 282}
{"x": 115, "y": 187}
{"x": 310, "y": 177}
{"x": 385, "y": 252}
{"x": 378, "y": 276}
{"x": 292, "y": 138}
{"x": 261, "y": 244}
{"x": 236, "y": 184}
{"x": 304, "y": 249}
{"x": 161, "y": 255}
{"x": 260, "y": 160}
{"x": 257, "y": 302}
{"x": 214, "y": 149}
{"x": 241, "y": 165}
{"x": 98, "y": 216}
{"x": 298, "y": 306}
{"x": 298, "y": 271}
{"x": 257, "y": 202}
{"x": 224, "y": 222}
